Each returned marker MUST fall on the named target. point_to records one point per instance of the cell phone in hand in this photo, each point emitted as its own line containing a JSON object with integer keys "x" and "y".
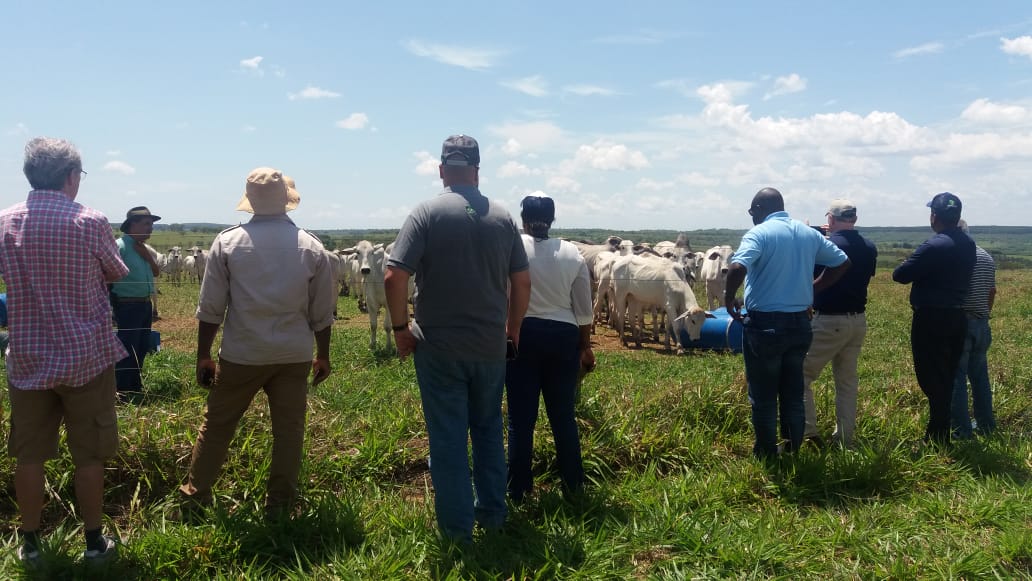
{"x": 510, "y": 350}
{"x": 207, "y": 377}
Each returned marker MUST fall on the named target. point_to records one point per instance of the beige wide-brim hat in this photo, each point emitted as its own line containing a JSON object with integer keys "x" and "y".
{"x": 268, "y": 192}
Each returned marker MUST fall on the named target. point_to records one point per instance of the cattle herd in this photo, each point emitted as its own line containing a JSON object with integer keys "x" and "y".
{"x": 629, "y": 280}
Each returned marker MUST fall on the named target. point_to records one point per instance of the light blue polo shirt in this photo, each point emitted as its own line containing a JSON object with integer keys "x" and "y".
{"x": 779, "y": 256}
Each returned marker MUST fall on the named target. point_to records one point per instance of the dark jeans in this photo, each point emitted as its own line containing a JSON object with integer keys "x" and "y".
{"x": 547, "y": 367}
{"x": 775, "y": 346}
{"x": 134, "y": 329}
{"x": 937, "y": 341}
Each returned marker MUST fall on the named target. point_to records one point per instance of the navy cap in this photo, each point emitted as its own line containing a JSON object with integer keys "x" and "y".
{"x": 946, "y": 204}
{"x": 460, "y": 150}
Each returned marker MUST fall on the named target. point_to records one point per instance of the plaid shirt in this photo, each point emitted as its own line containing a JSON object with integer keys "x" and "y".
{"x": 56, "y": 257}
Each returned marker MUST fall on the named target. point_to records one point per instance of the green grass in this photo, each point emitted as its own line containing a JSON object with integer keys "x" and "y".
{"x": 673, "y": 494}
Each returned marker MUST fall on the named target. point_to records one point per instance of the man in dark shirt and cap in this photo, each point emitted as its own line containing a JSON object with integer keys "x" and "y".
{"x": 840, "y": 324}
{"x": 940, "y": 270}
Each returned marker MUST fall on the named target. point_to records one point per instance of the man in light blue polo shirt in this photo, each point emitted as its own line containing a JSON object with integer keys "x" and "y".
{"x": 776, "y": 261}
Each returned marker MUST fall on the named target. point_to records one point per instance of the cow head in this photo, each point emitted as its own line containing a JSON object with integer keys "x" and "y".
{"x": 691, "y": 321}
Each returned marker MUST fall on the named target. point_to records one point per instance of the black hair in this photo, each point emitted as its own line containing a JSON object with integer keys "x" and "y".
{"x": 538, "y": 214}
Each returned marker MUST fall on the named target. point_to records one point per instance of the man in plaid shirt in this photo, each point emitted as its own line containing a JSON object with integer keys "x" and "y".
{"x": 56, "y": 257}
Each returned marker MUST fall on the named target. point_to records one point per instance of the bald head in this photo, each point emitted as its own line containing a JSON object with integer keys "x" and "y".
{"x": 766, "y": 202}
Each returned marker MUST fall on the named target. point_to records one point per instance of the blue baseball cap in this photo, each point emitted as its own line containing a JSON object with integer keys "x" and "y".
{"x": 946, "y": 204}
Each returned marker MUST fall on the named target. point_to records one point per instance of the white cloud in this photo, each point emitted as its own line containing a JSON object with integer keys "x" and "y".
{"x": 881, "y": 131}
{"x": 921, "y": 49}
{"x": 253, "y": 65}
{"x": 476, "y": 59}
{"x": 589, "y": 90}
{"x": 985, "y": 111}
{"x": 609, "y": 156}
{"x": 428, "y": 164}
{"x": 119, "y": 167}
{"x": 535, "y": 86}
{"x": 511, "y": 169}
{"x": 723, "y": 91}
{"x": 354, "y": 121}
{"x": 785, "y": 85}
{"x": 512, "y": 148}
{"x": 529, "y": 136}
{"x": 562, "y": 184}
{"x": 652, "y": 185}
{"x": 1021, "y": 46}
{"x": 696, "y": 179}
{"x": 969, "y": 148}
{"x": 311, "y": 92}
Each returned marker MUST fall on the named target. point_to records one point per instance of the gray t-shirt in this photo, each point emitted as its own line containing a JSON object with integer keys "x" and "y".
{"x": 462, "y": 249}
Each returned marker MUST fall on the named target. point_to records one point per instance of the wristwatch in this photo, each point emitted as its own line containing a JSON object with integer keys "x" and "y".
{"x": 397, "y": 328}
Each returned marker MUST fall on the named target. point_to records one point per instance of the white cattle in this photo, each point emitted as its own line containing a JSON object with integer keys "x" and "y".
{"x": 189, "y": 267}
{"x": 371, "y": 264}
{"x": 714, "y": 273}
{"x": 603, "y": 274}
{"x": 680, "y": 252}
{"x": 639, "y": 282}
{"x": 590, "y": 251}
{"x": 195, "y": 268}
{"x": 173, "y": 266}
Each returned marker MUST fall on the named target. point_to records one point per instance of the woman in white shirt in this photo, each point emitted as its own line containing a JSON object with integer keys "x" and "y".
{"x": 555, "y": 344}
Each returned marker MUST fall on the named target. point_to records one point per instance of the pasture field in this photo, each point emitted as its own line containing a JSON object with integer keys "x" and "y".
{"x": 674, "y": 492}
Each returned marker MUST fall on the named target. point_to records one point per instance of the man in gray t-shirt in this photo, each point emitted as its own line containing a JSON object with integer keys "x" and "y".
{"x": 472, "y": 290}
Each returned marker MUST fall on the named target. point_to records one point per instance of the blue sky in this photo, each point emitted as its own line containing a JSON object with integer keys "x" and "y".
{"x": 632, "y": 115}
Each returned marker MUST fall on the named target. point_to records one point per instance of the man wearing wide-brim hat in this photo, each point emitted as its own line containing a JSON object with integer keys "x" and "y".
{"x": 271, "y": 285}
{"x": 131, "y": 299}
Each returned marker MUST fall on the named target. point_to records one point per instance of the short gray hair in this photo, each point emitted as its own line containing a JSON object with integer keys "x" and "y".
{"x": 962, "y": 224}
{"x": 48, "y": 161}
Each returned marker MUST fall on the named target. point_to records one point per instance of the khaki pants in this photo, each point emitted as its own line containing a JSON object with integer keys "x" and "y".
{"x": 231, "y": 394}
{"x": 836, "y": 339}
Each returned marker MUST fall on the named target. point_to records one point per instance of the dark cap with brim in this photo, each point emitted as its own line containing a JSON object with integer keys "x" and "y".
{"x": 135, "y": 214}
{"x": 946, "y": 204}
{"x": 460, "y": 150}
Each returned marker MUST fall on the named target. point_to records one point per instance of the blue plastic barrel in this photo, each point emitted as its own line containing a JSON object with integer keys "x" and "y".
{"x": 722, "y": 333}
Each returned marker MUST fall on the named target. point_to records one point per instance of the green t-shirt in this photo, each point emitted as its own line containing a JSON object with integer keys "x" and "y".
{"x": 140, "y": 280}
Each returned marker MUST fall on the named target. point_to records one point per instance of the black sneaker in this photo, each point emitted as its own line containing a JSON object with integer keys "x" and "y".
{"x": 95, "y": 556}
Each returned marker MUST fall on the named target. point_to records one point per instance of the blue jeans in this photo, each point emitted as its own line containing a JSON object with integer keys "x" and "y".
{"x": 462, "y": 401}
{"x": 973, "y": 366}
{"x": 775, "y": 347}
{"x": 134, "y": 329}
{"x": 547, "y": 367}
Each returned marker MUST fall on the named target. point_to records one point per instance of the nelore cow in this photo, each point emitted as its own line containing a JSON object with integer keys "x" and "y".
{"x": 640, "y": 282}
{"x": 714, "y": 273}
{"x": 370, "y": 261}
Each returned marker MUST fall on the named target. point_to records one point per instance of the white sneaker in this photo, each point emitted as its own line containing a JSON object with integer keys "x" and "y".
{"x": 110, "y": 551}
